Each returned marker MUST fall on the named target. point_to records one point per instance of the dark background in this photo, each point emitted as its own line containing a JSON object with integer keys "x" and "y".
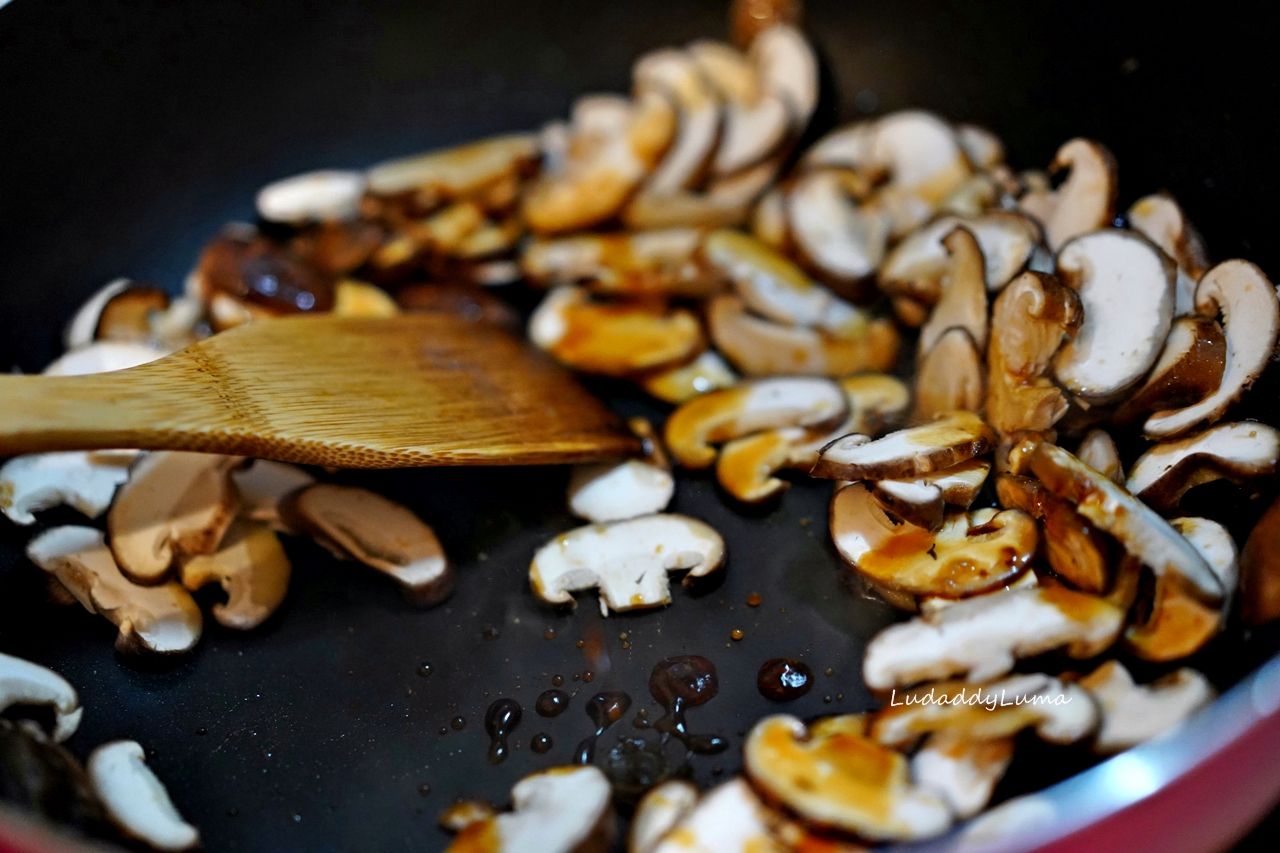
{"x": 130, "y": 131}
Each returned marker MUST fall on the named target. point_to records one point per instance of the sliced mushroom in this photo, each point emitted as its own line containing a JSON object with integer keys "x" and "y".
{"x": 759, "y": 347}
{"x": 647, "y": 262}
{"x": 834, "y": 776}
{"x": 921, "y": 153}
{"x": 627, "y": 560}
{"x": 950, "y": 376}
{"x": 26, "y": 683}
{"x": 84, "y": 481}
{"x": 263, "y": 485}
{"x": 876, "y": 402}
{"x": 963, "y": 304}
{"x": 962, "y": 771}
{"x": 1141, "y": 532}
{"x": 1098, "y": 450}
{"x": 755, "y": 122}
{"x": 354, "y": 523}
{"x": 983, "y": 148}
{"x": 766, "y": 281}
{"x": 252, "y": 569}
{"x": 120, "y": 311}
{"x": 317, "y": 196}
{"x": 1247, "y": 301}
{"x": 1076, "y": 551}
{"x": 971, "y": 553}
{"x": 1085, "y": 202}
{"x": 457, "y": 172}
{"x": 675, "y": 74}
{"x": 1125, "y": 286}
{"x": 729, "y": 819}
{"x": 975, "y": 195}
{"x": 769, "y": 221}
{"x": 749, "y": 407}
{"x": 609, "y": 491}
{"x": 916, "y": 266}
{"x": 658, "y": 812}
{"x": 922, "y": 500}
{"x": 935, "y": 446}
{"x": 1135, "y": 713}
{"x": 831, "y": 232}
{"x": 560, "y": 810}
{"x": 788, "y": 70}
{"x": 1175, "y": 622}
{"x": 1189, "y": 369}
{"x": 1242, "y": 453}
{"x": 708, "y": 372}
{"x": 103, "y": 357}
{"x": 462, "y": 813}
{"x": 162, "y": 619}
{"x": 1029, "y": 321}
{"x": 1260, "y": 570}
{"x": 174, "y": 503}
{"x": 1162, "y": 222}
{"x": 135, "y": 800}
{"x": 958, "y": 486}
{"x": 1059, "y": 713}
{"x": 613, "y": 339}
{"x": 353, "y": 298}
{"x": 607, "y": 161}
{"x": 981, "y": 637}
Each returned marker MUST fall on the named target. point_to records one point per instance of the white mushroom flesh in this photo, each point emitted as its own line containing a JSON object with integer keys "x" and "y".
{"x": 264, "y": 484}
{"x": 252, "y": 568}
{"x": 135, "y": 800}
{"x": 921, "y": 154}
{"x": 916, "y": 265}
{"x": 769, "y": 283}
{"x": 836, "y": 235}
{"x": 26, "y": 683}
{"x": 1240, "y": 452}
{"x": 960, "y": 770}
{"x": 728, "y": 819}
{"x": 911, "y": 452}
{"x": 609, "y": 491}
{"x": 708, "y": 372}
{"x": 560, "y": 810}
{"x": 1159, "y": 218}
{"x": 103, "y": 357}
{"x": 788, "y": 70}
{"x": 312, "y": 197}
{"x": 963, "y": 303}
{"x": 455, "y": 172}
{"x": 1085, "y": 202}
{"x": 85, "y": 481}
{"x": 1135, "y": 713}
{"x": 1098, "y": 450}
{"x": 662, "y": 807}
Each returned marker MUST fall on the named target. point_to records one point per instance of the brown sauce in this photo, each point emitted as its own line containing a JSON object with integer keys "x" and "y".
{"x": 678, "y": 684}
{"x": 500, "y": 721}
{"x": 784, "y": 679}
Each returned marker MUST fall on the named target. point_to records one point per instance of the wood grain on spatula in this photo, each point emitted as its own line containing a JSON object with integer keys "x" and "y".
{"x": 407, "y": 391}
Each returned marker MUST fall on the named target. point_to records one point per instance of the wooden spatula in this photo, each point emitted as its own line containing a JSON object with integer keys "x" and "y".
{"x": 427, "y": 389}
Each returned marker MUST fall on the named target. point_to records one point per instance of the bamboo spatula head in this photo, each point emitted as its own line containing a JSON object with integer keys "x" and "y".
{"x": 409, "y": 391}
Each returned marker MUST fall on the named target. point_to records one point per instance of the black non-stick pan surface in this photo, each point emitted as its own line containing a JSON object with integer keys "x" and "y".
{"x": 129, "y": 131}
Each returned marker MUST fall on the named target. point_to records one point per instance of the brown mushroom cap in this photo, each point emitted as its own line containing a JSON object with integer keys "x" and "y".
{"x": 357, "y": 524}
{"x": 971, "y": 552}
{"x": 1029, "y": 322}
{"x": 1250, "y": 310}
{"x": 613, "y": 339}
{"x": 1076, "y": 550}
{"x": 945, "y": 443}
{"x": 833, "y": 776}
{"x": 253, "y": 570}
{"x": 120, "y": 311}
{"x": 1189, "y": 369}
{"x": 161, "y": 619}
{"x": 1085, "y": 202}
{"x": 1241, "y": 452}
{"x": 174, "y": 503}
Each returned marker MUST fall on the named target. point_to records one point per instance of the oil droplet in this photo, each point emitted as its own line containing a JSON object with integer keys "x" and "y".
{"x": 549, "y": 634}
{"x": 202, "y": 731}
{"x": 736, "y": 634}
{"x": 581, "y": 643}
{"x": 826, "y": 699}
{"x": 444, "y": 730}
{"x": 625, "y": 644}
{"x": 540, "y": 743}
{"x": 551, "y": 703}
{"x": 605, "y": 709}
{"x": 828, "y": 671}
{"x": 458, "y": 723}
{"x": 839, "y": 697}
{"x": 424, "y": 669}
{"x": 557, "y": 680}
{"x": 784, "y": 679}
{"x": 577, "y": 677}
{"x": 424, "y": 789}
{"x": 585, "y": 751}
{"x": 622, "y": 636}
{"x": 490, "y": 633}
{"x": 500, "y": 721}
{"x": 588, "y": 676}
{"x": 755, "y": 599}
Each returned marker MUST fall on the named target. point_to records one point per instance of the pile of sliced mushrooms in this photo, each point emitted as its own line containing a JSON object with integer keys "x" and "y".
{"x": 687, "y": 246}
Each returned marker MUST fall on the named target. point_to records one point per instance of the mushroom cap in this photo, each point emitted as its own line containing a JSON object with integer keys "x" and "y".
{"x": 639, "y": 263}
{"x": 1060, "y": 713}
{"x": 120, "y": 311}
{"x": 749, "y": 407}
{"x": 253, "y": 570}
{"x": 675, "y": 74}
{"x": 950, "y": 376}
{"x": 174, "y": 503}
{"x": 970, "y": 553}
{"x": 1133, "y": 713}
{"x": 963, "y": 303}
{"x": 1162, "y": 221}
{"x": 983, "y": 636}
{"x": 729, "y": 818}
{"x": 958, "y": 485}
{"x": 359, "y": 524}
{"x": 944, "y": 443}
{"x": 920, "y": 152}
{"x": 135, "y": 800}
{"x": 662, "y": 807}
{"x": 162, "y": 619}
{"x": 834, "y": 776}
{"x": 615, "y": 339}
{"x": 1141, "y": 532}
{"x": 1250, "y": 310}
{"x": 788, "y": 70}
{"x": 627, "y": 560}
{"x": 26, "y": 683}
{"x": 263, "y": 484}
{"x": 1076, "y": 551}
{"x": 768, "y": 282}
{"x": 1085, "y": 202}
{"x": 960, "y": 770}
{"x": 612, "y": 491}
{"x": 676, "y": 385}
{"x": 983, "y": 148}
{"x": 1239, "y": 452}
{"x": 756, "y": 123}
{"x": 1189, "y": 369}
{"x": 458, "y": 171}
{"x": 746, "y": 465}
{"x": 1126, "y": 287}
{"x": 326, "y": 194}
{"x": 1260, "y": 570}
{"x": 916, "y": 265}
{"x": 833, "y": 234}
{"x": 84, "y": 480}
{"x": 559, "y": 810}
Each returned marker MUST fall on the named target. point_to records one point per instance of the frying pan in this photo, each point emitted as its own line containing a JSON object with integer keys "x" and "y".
{"x": 132, "y": 130}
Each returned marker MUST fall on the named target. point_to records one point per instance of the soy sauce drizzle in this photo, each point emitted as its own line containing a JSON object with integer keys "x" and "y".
{"x": 500, "y": 721}
{"x": 551, "y": 703}
{"x": 604, "y": 709}
{"x": 678, "y": 684}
